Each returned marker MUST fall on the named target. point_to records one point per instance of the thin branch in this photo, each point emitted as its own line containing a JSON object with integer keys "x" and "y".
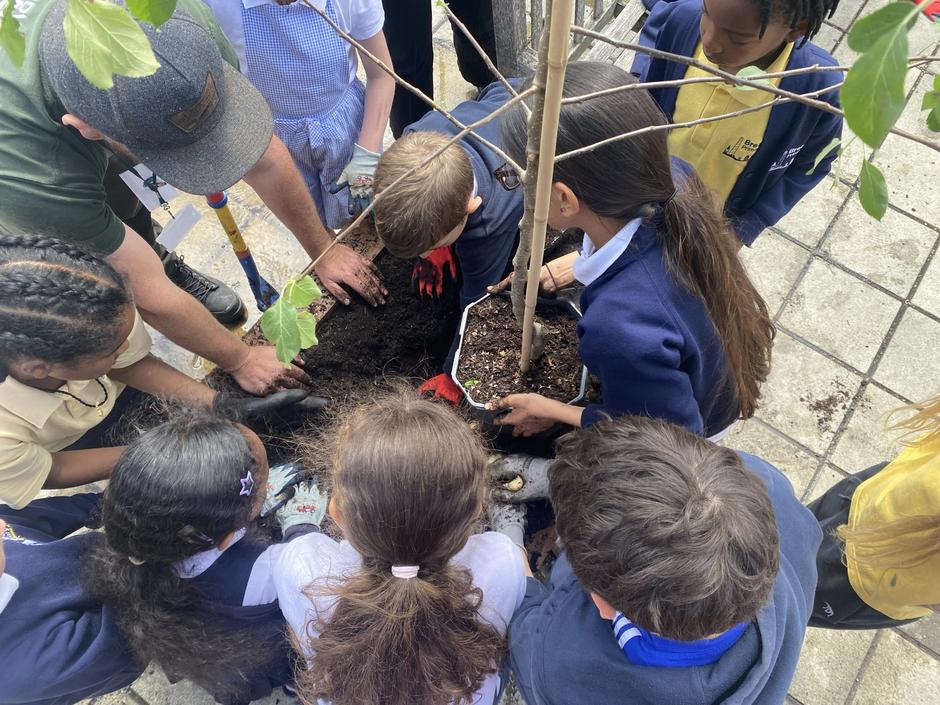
{"x": 466, "y": 130}
{"x": 476, "y": 45}
{"x": 402, "y": 82}
{"x": 691, "y": 123}
{"x": 737, "y": 80}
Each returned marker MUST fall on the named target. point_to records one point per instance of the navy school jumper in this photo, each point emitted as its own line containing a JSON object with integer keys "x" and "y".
{"x": 652, "y": 344}
{"x": 486, "y": 244}
{"x": 59, "y": 646}
{"x": 775, "y": 178}
{"x": 563, "y": 652}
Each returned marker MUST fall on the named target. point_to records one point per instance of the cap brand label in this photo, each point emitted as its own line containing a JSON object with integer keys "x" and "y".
{"x": 190, "y": 117}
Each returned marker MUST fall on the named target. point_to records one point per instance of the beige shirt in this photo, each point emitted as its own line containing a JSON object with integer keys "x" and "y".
{"x": 34, "y": 423}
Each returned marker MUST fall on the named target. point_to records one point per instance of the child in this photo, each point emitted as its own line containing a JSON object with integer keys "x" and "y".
{"x": 758, "y": 165}
{"x": 70, "y": 340}
{"x": 880, "y": 557}
{"x": 58, "y": 645}
{"x": 190, "y": 590}
{"x": 412, "y": 606}
{"x": 672, "y": 327}
{"x": 687, "y": 574}
{"x": 466, "y": 197}
{"x": 332, "y": 125}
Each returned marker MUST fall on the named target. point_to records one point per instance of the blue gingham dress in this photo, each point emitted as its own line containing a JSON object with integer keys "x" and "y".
{"x": 301, "y": 66}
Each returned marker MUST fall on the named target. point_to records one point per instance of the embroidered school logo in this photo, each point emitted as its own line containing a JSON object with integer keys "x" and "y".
{"x": 742, "y": 150}
{"x": 10, "y": 535}
{"x": 827, "y": 608}
{"x": 787, "y": 159}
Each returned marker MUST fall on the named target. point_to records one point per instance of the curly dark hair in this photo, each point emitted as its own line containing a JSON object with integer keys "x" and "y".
{"x": 792, "y": 12}
{"x": 409, "y": 483}
{"x": 58, "y": 301}
{"x": 174, "y": 492}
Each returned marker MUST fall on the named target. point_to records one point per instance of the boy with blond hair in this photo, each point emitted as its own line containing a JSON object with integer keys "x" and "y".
{"x": 687, "y": 576}
{"x": 464, "y": 202}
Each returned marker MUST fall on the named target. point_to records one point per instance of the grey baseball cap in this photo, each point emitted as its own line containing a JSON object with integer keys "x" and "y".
{"x": 197, "y": 122}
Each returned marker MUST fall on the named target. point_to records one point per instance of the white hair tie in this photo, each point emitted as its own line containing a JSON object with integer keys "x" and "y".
{"x": 405, "y": 572}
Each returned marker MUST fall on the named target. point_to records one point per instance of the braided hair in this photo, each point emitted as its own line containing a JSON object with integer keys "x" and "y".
{"x": 792, "y": 12}
{"x": 58, "y": 301}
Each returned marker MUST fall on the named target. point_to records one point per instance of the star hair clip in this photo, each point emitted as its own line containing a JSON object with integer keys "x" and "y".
{"x": 248, "y": 484}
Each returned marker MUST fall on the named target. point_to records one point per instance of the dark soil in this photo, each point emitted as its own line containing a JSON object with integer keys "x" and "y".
{"x": 827, "y": 408}
{"x": 489, "y": 358}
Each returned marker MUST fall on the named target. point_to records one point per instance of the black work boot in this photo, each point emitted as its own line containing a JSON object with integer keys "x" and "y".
{"x": 219, "y": 299}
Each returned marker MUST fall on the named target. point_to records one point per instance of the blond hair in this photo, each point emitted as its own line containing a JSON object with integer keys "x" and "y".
{"x": 907, "y": 542}
{"x": 424, "y": 207}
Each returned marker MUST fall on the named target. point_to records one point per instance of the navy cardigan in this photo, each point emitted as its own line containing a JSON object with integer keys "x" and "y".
{"x": 652, "y": 344}
{"x": 775, "y": 178}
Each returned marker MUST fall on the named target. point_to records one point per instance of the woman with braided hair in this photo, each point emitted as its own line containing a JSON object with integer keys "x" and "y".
{"x": 70, "y": 341}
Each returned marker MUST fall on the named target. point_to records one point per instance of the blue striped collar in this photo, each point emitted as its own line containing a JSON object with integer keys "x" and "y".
{"x": 644, "y": 648}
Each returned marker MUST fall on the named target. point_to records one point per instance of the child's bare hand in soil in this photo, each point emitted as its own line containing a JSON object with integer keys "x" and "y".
{"x": 553, "y": 276}
{"x": 532, "y": 413}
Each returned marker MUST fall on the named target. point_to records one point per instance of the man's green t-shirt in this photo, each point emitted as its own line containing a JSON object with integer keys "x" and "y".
{"x": 51, "y": 179}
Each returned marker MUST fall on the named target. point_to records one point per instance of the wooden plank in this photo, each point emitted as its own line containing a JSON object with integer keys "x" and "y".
{"x": 622, "y": 27}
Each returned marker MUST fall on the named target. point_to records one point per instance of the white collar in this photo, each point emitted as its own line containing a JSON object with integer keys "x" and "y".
{"x": 202, "y": 561}
{"x": 592, "y": 263}
{"x": 8, "y": 585}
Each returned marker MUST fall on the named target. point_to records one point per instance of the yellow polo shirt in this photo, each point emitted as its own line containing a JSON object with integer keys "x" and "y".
{"x": 35, "y": 423}
{"x": 720, "y": 150}
{"x": 907, "y": 487}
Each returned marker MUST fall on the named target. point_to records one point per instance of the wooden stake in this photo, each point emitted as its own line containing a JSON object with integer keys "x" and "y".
{"x": 554, "y": 80}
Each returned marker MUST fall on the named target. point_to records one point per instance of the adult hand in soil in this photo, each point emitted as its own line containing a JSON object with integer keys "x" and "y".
{"x": 433, "y": 273}
{"x": 532, "y": 413}
{"x": 553, "y": 276}
{"x": 343, "y": 265}
{"x": 261, "y": 372}
{"x": 249, "y": 408}
{"x": 280, "y": 486}
{"x": 533, "y": 471}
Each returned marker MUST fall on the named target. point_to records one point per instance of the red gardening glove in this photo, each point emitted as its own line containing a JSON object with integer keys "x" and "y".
{"x": 932, "y": 10}
{"x": 441, "y": 388}
{"x": 431, "y": 274}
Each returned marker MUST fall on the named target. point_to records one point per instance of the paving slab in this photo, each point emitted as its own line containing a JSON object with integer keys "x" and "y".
{"x": 757, "y": 438}
{"x": 898, "y": 673}
{"x": 866, "y": 439}
{"x": 911, "y": 366}
{"x": 773, "y": 263}
{"x": 808, "y": 220}
{"x": 829, "y": 664}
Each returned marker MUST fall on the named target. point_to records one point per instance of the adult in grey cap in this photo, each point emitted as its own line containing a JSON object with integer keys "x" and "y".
{"x": 199, "y": 125}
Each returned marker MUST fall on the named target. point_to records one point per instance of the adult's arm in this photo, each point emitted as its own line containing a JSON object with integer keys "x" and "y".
{"x": 183, "y": 320}
{"x": 276, "y": 180}
{"x": 380, "y": 89}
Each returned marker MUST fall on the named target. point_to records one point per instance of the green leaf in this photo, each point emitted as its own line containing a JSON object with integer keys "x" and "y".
{"x": 833, "y": 144}
{"x": 11, "y": 38}
{"x": 873, "y": 94}
{"x": 873, "y": 191}
{"x": 868, "y": 30}
{"x": 933, "y": 121}
{"x": 749, "y": 72}
{"x": 156, "y": 12}
{"x": 301, "y": 292}
{"x": 279, "y": 325}
{"x": 103, "y": 39}
{"x": 307, "y": 325}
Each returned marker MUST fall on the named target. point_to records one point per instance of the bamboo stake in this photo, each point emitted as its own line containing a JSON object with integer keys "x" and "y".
{"x": 557, "y": 61}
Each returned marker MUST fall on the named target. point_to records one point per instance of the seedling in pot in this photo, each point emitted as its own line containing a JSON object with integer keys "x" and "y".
{"x": 288, "y": 323}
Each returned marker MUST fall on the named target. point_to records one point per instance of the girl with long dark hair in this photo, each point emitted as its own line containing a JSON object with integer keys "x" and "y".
{"x": 672, "y": 326}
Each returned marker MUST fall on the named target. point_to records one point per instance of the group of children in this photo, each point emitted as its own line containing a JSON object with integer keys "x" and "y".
{"x": 688, "y": 571}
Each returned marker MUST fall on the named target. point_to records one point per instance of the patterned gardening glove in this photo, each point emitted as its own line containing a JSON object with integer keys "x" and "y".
{"x": 280, "y": 487}
{"x": 431, "y": 274}
{"x": 307, "y": 506}
{"x": 358, "y": 176}
{"x": 441, "y": 388}
{"x": 506, "y": 472}
{"x": 507, "y": 519}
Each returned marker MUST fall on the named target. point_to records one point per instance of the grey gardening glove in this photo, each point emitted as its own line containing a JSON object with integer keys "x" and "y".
{"x": 280, "y": 486}
{"x": 531, "y": 469}
{"x": 307, "y": 506}
{"x": 246, "y": 408}
{"x": 508, "y": 519}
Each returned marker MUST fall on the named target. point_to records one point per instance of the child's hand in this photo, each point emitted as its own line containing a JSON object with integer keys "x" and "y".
{"x": 280, "y": 486}
{"x": 528, "y": 413}
{"x": 553, "y": 276}
{"x": 307, "y": 506}
{"x": 431, "y": 275}
{"x": 358, "y": 176}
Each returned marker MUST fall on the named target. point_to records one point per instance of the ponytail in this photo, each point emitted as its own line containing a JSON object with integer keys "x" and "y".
{"x": 702, "y": 253}
{"x": 408, "y": 483}
{"x": 629, "y": 178}
{"x": 58, "y": 301}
